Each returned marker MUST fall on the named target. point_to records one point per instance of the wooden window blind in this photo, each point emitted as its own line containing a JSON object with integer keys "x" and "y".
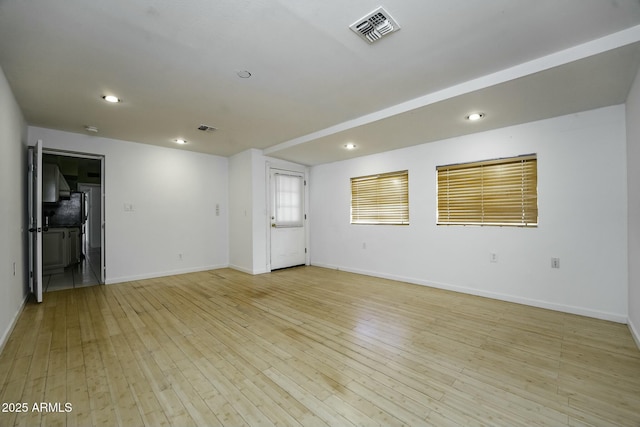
{"x": 380, "y": 199}
{"x": 492, "y": 192}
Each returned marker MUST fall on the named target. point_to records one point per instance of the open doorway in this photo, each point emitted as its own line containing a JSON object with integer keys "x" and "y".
{"x": 72, "y": 218}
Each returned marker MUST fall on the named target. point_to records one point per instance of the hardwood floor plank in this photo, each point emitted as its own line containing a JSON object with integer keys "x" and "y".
{"x": 311, "y": 402}
{"x": 274, "y": 412}
{"x": 40, "y": 356}
{"x": 391, "y": 406}
{"x": 312, "y": 347}
{"x": 151, "y": 411}
{"x": 287, "y": 402}
{"x": 227, "y": 384}
{"x": 78, "y": 396}
{"x": 192, "y": 401}
{"x": 522, "y": 410}
{"x": 56, "y": 394}
{"x": 34, "y": 391}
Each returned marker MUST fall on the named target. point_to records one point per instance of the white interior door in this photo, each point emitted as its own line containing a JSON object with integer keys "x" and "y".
{"x": 35, "y": 220}
{"x": 288, "y": 236}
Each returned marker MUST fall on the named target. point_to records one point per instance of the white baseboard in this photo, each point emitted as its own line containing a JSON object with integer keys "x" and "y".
{"x": 635, "y": 333}
{"x": 242, "y": 269}
{"x": 248, "y": 271}
{"x": 122, "y": 279}
{"x": 12, "y": 324}
{"x": 618, "y": 318}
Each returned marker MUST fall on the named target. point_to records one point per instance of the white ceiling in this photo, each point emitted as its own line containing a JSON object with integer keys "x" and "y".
{"x": 315, "y": 85}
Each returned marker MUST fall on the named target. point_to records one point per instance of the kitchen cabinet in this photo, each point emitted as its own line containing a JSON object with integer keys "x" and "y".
{"x": 54, "y": 185}
{"x": 60, "y": 249}
{"x": 73, "y": 249}
{"x": 54, "y": 250}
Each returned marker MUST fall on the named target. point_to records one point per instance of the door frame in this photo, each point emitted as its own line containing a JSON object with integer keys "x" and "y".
{"x": 271, "y": 166}
{"x": 34, "y": 196}
{"x": 102, "y": 158}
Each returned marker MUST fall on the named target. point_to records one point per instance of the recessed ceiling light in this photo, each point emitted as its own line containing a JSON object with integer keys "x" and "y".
{"x": 244, "y": 74}
{"x": 111, "y": 98}
{"x": 350, "y": 146}
{"x": 181, "y": 141}
{"x": 475, "y": 116}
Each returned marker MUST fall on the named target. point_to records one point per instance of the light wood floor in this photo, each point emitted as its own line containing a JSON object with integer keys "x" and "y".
{"x": 312, "y": 347}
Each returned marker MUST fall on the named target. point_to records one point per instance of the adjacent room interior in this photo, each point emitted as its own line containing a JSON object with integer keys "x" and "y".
{"x": 72, "y": 218}
{"x": 294, "y": 213}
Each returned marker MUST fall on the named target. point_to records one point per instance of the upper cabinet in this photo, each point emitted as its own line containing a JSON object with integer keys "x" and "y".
{"x": 54, "y": 186}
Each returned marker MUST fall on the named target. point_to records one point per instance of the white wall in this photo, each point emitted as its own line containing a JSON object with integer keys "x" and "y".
{"x": 241, "y": 212}
{"x": 259, "y": 218}
{"x": 13, "y": 243}
{"x": 633, "y": 182}
{"x": 582, "y": 219}
{"x": 174, "y": 194}
{"x": 248, "y": 222}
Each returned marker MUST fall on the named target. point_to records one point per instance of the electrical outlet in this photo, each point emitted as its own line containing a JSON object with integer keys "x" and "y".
{"x": 493, "y": 257}
{"x": 555, "y": 262}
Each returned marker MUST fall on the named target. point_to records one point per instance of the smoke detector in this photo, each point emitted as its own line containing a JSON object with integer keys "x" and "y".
{"x": 375, "y": 25}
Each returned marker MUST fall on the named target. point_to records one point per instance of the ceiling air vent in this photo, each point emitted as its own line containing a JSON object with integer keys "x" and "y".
{"x": 206, "y": 128}
{"x": 375, "y": 25}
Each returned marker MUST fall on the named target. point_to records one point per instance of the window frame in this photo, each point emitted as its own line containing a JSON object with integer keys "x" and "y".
{"x": 487, "y": 192}
{"x": 288, "y": 200}
{"x": 379, "y": 200}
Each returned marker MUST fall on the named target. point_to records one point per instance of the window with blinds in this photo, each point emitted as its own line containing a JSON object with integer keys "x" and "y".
{"x": 288, "y": 206}
{"x": 492, "y": 192}
{"x": 380, "y": 199}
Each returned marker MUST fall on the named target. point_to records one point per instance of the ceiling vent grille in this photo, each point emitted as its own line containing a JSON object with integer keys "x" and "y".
{"x": 375, "y": 25}
{"x": 206, "y": 128}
